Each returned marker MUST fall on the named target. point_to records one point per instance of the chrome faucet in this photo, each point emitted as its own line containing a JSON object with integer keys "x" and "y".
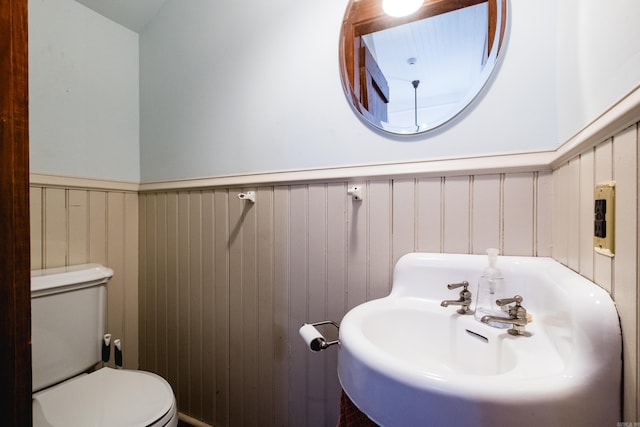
{"x": 517, "y": 316}
{"x": 465, "y": 298}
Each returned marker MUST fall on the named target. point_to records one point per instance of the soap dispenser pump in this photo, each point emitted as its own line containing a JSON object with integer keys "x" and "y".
{"x": 490, "y": 288}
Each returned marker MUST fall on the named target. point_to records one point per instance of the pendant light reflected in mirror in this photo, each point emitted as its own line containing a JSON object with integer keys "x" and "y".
{"x": 400, "y": 8}
{"x": 415, "y": 84}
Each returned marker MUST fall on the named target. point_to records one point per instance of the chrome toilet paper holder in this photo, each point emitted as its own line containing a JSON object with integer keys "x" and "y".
{"x": 313, "y": 338}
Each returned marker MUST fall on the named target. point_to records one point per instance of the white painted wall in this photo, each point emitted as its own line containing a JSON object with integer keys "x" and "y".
{"x": 598, "y": 58}
{"x": 83, "y": 93}
{"x": 246, "y": 86}
{"x": 237, "y": 87}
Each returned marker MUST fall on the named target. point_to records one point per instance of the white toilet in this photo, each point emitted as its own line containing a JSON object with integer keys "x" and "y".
{"x": 67, "y": 318}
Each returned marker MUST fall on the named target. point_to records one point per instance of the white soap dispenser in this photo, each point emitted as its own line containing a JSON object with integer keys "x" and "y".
{"x": 490, "y": 288}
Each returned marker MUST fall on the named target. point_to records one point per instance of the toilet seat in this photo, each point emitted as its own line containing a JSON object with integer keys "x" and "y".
{"x": 107, "y": 397}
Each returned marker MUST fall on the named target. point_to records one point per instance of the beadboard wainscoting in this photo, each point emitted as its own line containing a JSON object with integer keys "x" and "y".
{"x": 225, "y": 284}
{"x": 72, "y": 224}
{"x": 574, "y": 181}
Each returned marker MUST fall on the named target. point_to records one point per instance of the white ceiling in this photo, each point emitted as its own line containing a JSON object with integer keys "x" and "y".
{"x": 133, "y": 14}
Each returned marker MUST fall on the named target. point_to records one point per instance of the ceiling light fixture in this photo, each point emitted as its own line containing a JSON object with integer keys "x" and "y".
{"x": 400, "y": 8}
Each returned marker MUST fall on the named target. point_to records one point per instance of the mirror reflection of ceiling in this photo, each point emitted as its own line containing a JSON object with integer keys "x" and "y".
{"x": 133, "y": 14}
{"x": 418, "y": 50}
{"x": 408, "y": 75}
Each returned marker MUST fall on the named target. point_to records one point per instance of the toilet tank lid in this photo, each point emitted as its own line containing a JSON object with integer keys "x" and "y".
{"x": 64, "y": 279}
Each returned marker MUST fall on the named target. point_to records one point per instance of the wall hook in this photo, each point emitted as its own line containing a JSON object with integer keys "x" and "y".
{"x": 249, "y": 195}
{"x": 355, "y": 192}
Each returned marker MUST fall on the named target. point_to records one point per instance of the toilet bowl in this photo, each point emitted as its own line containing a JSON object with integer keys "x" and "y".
{"x": 107, "y": 397}
{"x": 68, "y": 306}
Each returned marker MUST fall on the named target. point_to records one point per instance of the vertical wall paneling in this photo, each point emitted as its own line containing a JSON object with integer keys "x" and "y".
{"x": 55, "y": 228}
{"x": 116, "y": 260}
{"x": 173, "y": 338}
{"x": 194, "y": 267}
{"x": 381, "y": 232}
{"x": 573, "y": 227}
{"x": 625, "y": 274}
{"x": 603, "y": 172}
{"x": 358, "y": 244}
{"x": 404, "y": 218}
{"x": 301, "y": 253}
{"x": 265, "y": 302}
{"x": 316, "y": 296}
{"x": 207, "y": 350}
{"x": 35, "y": 212}
{"x": 518, "y": 226}
{"x": 184, "y": 340}
{"x": 98, "y": 226}
{"x": 336, "y": 286}
{"x": 585, "y": 218}
{"x": 544, "y": 207}
{"x": 249, "y": 307}
{"x": 281, "y": 306}
{"x": 157, "y": 257}
{"x": 131, "y": 274}
{"x": 456, "y": 215}
{"x": 77, "y": 225}
{"x": 487, "y": 213}
{"x": 143, "y": 285}
{"x": 429, "y": 212}
{"x": 560, "y": 215}
{"x": 631, "y": 393}
{"x": 299, "y": 303}
{"x": 153, "y": 325}
{"x": 225, "y": 285}
{"x": 221, "y": 285}
{"x": 236, "y": 276}
{"x": 613, "y": 159}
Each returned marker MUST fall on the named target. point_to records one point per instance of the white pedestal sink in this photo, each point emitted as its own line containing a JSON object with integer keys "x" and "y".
{"x": 406, "y": 361}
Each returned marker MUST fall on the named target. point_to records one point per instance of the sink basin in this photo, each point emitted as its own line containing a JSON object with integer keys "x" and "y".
{"x": 406, "y": 361}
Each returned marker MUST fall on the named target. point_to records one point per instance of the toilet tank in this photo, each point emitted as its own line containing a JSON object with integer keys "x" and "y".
{"x": 67, "y": 321}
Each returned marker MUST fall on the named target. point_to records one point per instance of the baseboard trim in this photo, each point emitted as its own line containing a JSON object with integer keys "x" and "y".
{"x": 192, "y": 421}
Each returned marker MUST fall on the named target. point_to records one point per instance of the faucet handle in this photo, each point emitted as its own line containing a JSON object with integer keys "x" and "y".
{"x": 517, "y": 313}
{"x": 506, "y": 301}
{"x": 465, "y": 298}
{"x": 464, "y": 284}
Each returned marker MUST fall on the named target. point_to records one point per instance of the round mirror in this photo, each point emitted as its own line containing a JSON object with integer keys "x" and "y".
{"x": 411, "y": 74}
